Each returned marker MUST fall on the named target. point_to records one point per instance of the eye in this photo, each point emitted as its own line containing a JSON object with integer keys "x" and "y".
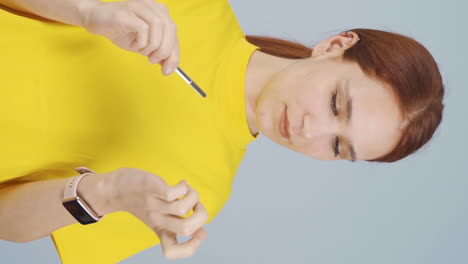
{"x": 336, "y": 146}
{"x": 333, "y": 103}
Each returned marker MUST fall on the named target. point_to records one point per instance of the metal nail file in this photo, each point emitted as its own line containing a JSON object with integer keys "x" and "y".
{"x": 190, "y": 82}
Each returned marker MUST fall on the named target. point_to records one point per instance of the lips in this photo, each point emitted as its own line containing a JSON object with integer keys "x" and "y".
{"x": 287, "y": 122}
{"x": 284, "y": 124}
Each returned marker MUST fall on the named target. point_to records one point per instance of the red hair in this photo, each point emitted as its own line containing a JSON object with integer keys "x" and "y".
{"x": 400, "y": 61}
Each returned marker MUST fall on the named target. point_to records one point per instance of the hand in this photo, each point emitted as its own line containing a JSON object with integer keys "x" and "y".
{"x": 150, "y": 199}
{"x": 141, "y": 26}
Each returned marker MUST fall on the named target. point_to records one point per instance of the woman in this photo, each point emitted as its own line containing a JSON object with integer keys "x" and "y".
{"x": 87, "y": 101}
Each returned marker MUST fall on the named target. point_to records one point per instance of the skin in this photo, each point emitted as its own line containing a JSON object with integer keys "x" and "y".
{"x": 306, "y": 88}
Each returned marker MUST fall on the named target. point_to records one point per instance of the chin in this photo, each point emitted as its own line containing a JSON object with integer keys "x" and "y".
{"x": 266, "y": 124}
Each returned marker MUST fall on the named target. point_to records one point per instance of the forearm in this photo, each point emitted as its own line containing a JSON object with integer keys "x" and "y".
{"x": 65, "y": 11}
{"x": 34, "y": 210}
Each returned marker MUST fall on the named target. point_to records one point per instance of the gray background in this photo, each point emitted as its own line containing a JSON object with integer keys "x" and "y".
{"x": 286, "y": 207}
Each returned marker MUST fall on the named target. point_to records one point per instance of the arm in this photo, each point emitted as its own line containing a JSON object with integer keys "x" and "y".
{"x": 33, "y": 210}
{"x": 66, "y": 11}
{"x": 133, "y": 25}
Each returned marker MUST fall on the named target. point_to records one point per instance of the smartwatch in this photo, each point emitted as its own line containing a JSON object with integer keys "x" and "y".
{"x": 75, "y": 204}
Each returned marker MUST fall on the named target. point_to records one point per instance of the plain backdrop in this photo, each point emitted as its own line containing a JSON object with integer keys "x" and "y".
{"x": 288, "y": 208}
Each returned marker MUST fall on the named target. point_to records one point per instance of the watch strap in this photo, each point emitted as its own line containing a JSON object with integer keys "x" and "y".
{"x": 70, "y": 194}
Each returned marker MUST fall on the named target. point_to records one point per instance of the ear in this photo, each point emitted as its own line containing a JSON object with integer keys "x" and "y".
{"x": 335, "y": 45}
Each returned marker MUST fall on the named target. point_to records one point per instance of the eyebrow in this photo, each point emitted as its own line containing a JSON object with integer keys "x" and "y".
{"x": 349, "y": 111}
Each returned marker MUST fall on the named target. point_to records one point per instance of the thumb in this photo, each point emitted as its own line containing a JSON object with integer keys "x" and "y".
{"x": 200, "y": 233}
{"x": 178, "y": 190}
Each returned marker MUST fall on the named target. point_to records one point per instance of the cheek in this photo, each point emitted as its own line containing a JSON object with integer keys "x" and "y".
{"x": 314, "y": 100}
{"x": 317, "y": 148}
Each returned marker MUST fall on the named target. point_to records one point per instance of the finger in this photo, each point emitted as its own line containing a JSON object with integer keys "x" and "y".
{"x": 201, "y": 233}
{"x": 169, "y": 59}
{"x": 168, "y": 41}
{"x": 176, "y": 191}
{"x": 159, "y": 189}
{"x": 170, "y": 64}
{"x": 173, "y": 250}
{"x": 140, "y": 27}
{"x": 156, "y": 28}
{"x": 186, "y": 226}
{"x": 183, "y": 206}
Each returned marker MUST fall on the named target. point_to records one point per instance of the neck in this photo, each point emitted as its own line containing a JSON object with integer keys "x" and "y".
{"x": 261, "y": 68}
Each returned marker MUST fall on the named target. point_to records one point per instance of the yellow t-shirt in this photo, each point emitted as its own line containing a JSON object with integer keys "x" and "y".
{"x": 70, "y": 99}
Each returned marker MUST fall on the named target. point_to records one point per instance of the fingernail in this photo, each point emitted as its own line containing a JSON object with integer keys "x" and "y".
{"x": 167, "y": 71}
{"x": 153, "y": 61}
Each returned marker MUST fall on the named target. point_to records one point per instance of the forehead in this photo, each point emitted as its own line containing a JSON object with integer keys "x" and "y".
{"x": 374, "y": 128}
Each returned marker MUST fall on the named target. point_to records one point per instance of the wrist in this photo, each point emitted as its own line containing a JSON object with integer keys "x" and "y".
{"x": 93, "y": 188}
{"x": 83, "y": 9}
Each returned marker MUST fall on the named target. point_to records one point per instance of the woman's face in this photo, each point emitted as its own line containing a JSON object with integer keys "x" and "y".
{"x": 333, "y": 110}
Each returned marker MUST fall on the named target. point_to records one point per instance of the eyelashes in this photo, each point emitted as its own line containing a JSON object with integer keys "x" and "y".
{"x": 333, "y": 103}
{"x": 336, "y": 141}
{"x": 336, "y": 145}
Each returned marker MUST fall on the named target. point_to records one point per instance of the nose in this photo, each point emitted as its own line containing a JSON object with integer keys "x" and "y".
{"x": 319, "y": 127}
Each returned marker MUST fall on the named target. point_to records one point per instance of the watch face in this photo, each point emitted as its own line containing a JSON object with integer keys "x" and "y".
{"x": 78, "y": 211}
